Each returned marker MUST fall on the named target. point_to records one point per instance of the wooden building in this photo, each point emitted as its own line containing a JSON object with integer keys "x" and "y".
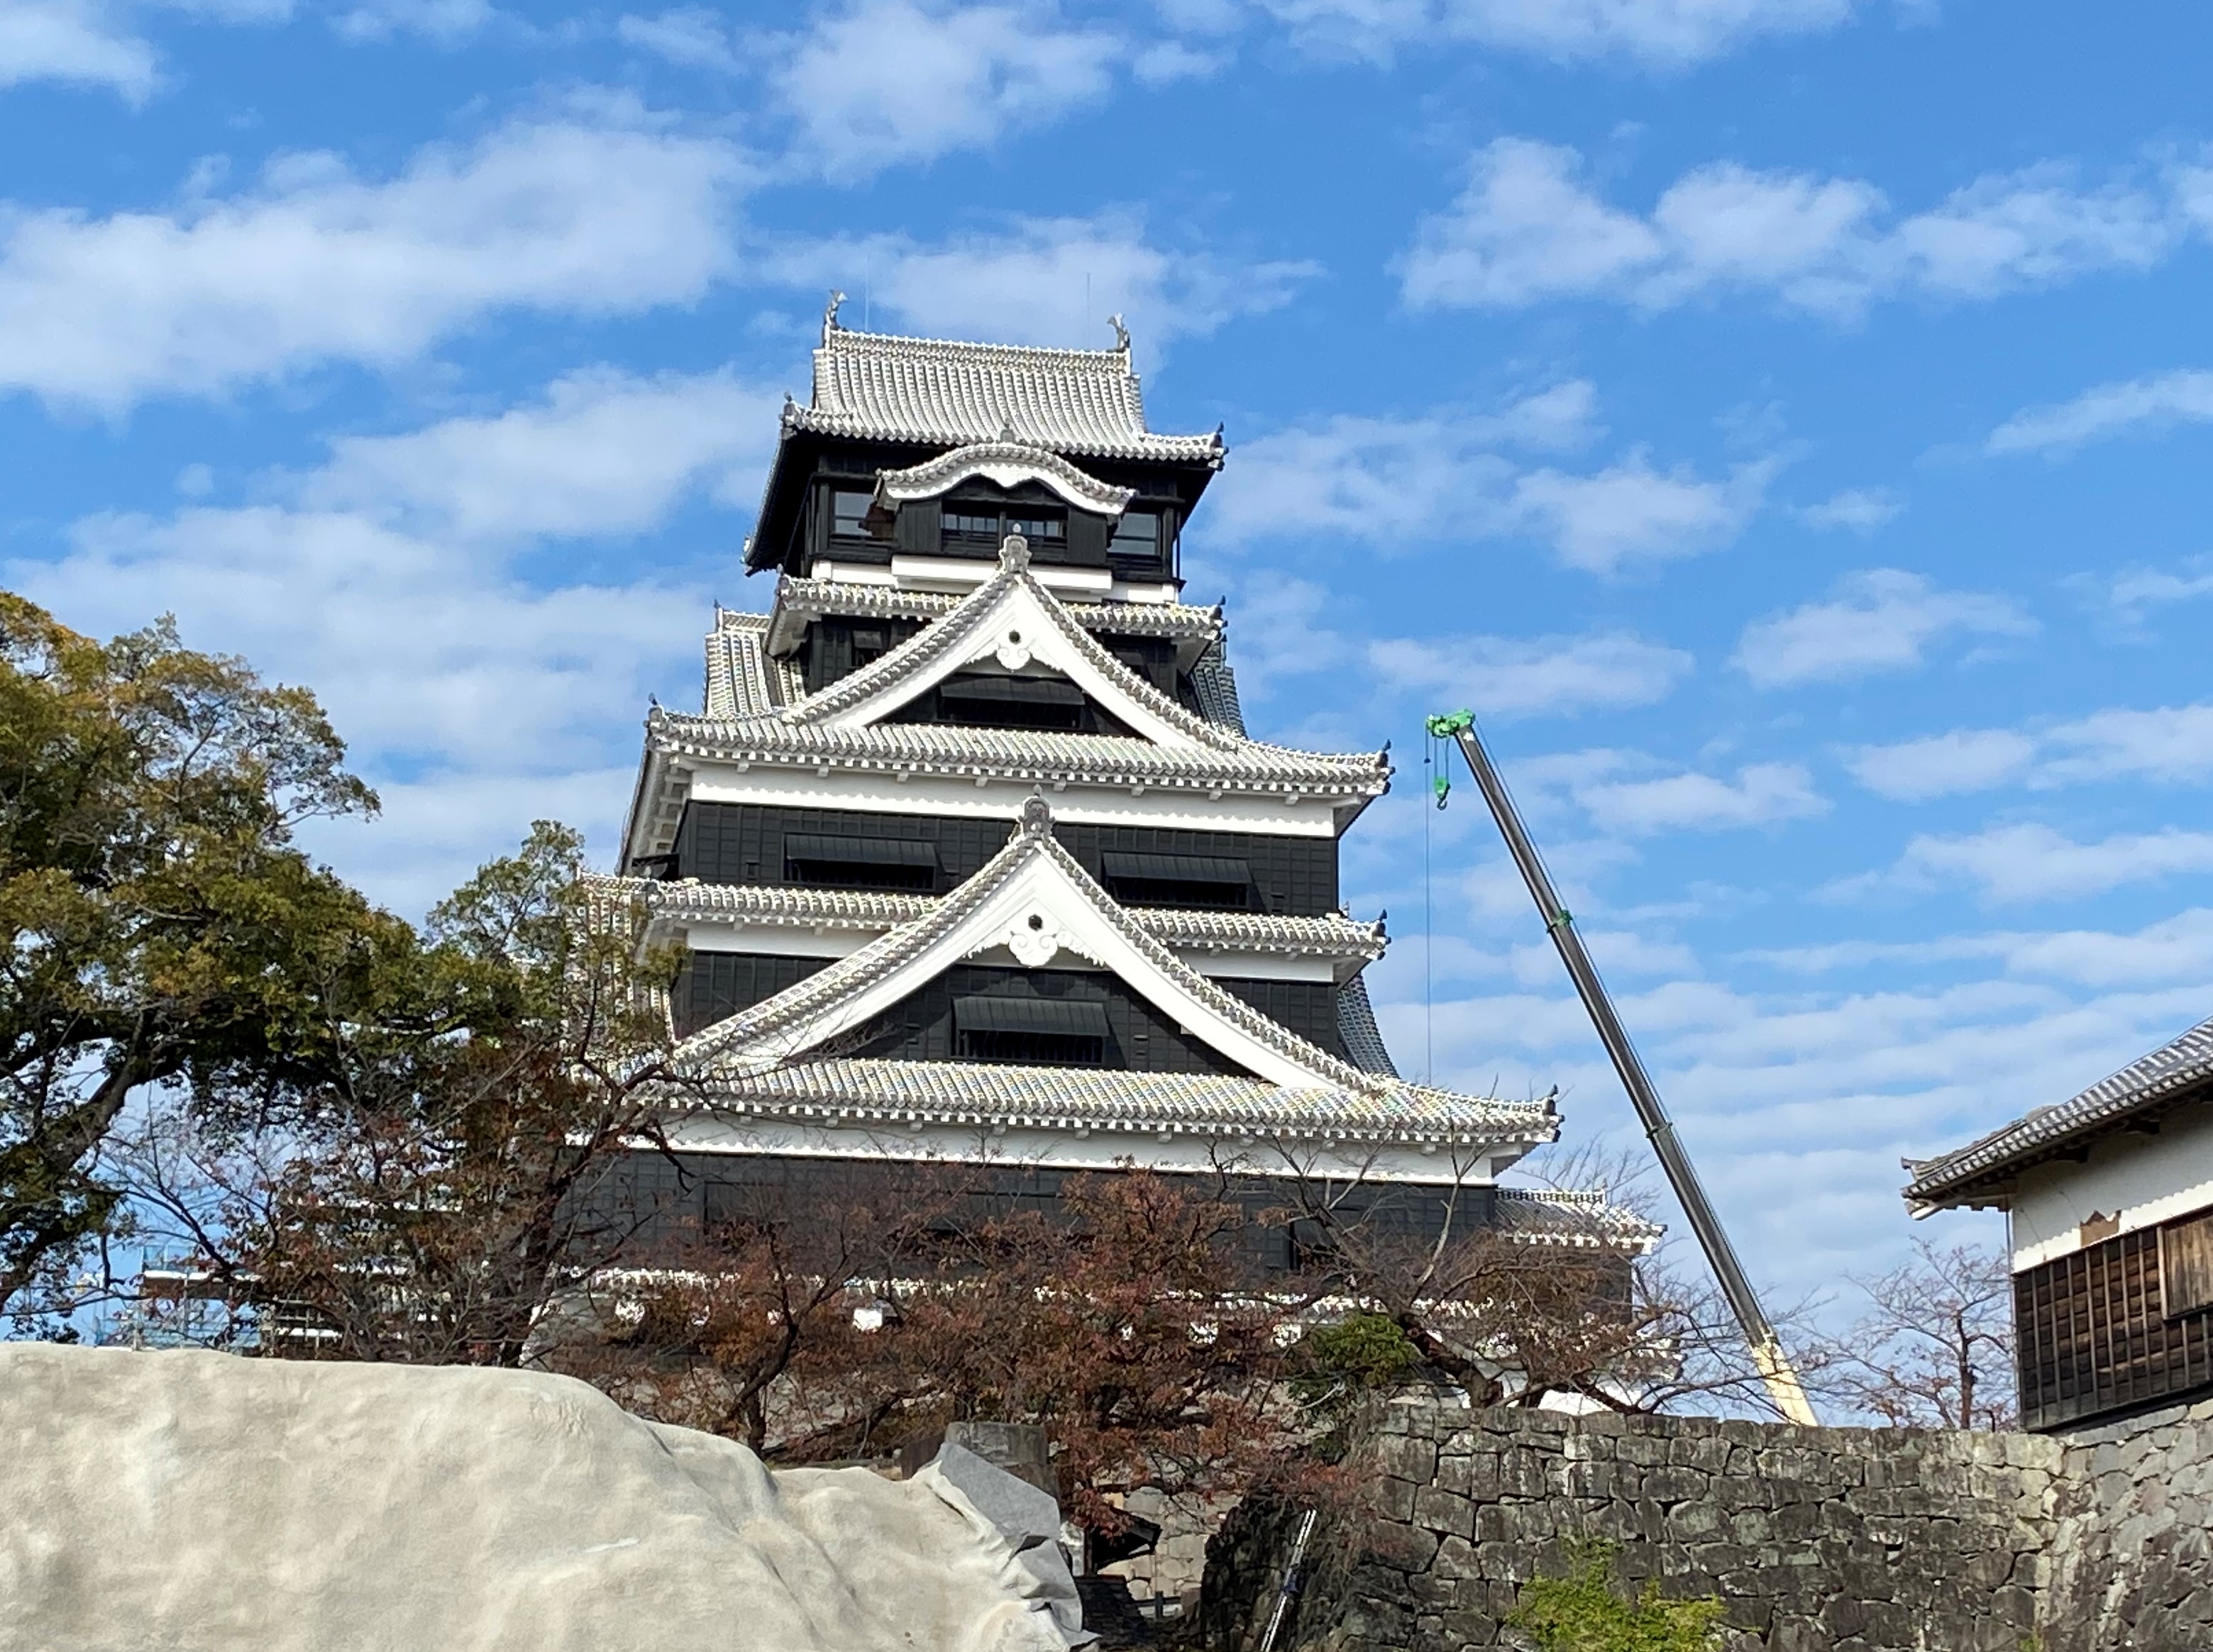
{"x": 970, "y": 855}
{"x": 2109, "y": 1204}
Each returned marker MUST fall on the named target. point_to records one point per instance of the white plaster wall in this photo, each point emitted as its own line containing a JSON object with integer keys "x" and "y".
{"x": 2142, "y": 1180}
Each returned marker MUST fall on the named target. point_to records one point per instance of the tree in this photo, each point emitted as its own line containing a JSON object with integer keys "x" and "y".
{"x": 1934, "y": 1349}
{"x": 1514, "y": 1311}
{"x": 453, "y": 1178}
{"x": 879, "y": 1308}
{"x": 164, "y": 929}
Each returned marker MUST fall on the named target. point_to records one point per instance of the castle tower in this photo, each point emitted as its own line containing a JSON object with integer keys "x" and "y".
{"x": 968, "y": 849}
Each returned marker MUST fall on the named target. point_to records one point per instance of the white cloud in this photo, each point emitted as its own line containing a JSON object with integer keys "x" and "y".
{"x": 690, "y": 36}
{"x": 1965, "y": 760}
{"x": 1661, "y": 33}
{"x": 1528, "y": 677}
{"x": 2169, "y": 744}
{"x": 2029, "y": 862}
{"x": 1861, "y": 509}
{"x": 2158, "y": 403}
{"x": 405, "y": 582}
{"x": 1030, "y": 285}
{"x": 446, "y": 21}
{"x": 79, "y": 42}
{"x": 2134, "y": 591}
{"x": 1762, "y": 794}
{"x": 1881, "y": 620}
{"x": 1527, "y": 228}
{"x": 2165, "y": 745}
{"x": 888, "y": 82}
{"x": 1462, "y": 477}
{"x": 315, "y": 265}
{"x": 604, "y": 453}
{"x": 1631, "y": 513}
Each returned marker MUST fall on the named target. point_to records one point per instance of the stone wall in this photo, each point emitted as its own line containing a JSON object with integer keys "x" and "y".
{"x": 2132, "y": 1559}
{"x": 1817, "y": 1540}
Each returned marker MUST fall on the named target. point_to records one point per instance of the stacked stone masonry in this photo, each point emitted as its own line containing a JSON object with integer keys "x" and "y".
{"x": 1817, "y": 1539}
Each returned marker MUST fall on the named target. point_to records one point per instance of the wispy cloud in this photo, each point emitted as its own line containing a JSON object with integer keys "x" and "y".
{"x": 1529, "y": 229}
{"x": 78, "y": 42}
{"x": 692, "y": 37}
{"x": 1760, "y": 794}
{"x": 1046, "y": 281}
{"x": 1881, "y": 620}
{"x": 2170, "y": 746}
{"x": 315, "y": 265}
{"x": 2014, "y": 865}
{"x": 886, "y": 83}
{"x": 2138, "y": 406}
{"x": 1465, "y": 476}
{"x": 1657, "y": 33}
{"x": 1862, "y": 510}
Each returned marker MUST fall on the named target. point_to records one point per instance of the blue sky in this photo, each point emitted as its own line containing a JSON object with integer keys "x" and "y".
{"x": 1788, "y": 421}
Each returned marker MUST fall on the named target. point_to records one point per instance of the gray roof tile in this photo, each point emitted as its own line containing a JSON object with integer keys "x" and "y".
{"x": 2147, "y": 1083}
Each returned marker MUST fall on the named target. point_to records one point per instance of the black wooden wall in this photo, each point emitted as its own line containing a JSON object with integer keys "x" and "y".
{"x": 2093, "y": 1337}
{"x": 743, "y": 843}
{"x": 920, "y": 1027}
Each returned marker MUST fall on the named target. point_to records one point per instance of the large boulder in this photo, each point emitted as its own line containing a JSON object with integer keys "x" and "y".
{"x": 189, "y": 1500}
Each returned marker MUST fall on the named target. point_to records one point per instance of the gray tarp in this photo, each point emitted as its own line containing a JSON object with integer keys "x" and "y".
{"x": 189, "y": 1500}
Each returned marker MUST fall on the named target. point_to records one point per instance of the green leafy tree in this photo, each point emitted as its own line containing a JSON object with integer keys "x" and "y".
{"x": 164, "y": 929}
{"x": 1584, "y": 1612}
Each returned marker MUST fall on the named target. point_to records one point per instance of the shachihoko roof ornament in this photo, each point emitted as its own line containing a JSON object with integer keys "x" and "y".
{"x": 884, "y": 387}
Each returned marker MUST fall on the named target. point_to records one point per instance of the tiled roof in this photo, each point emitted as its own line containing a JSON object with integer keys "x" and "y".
{"x": 725, "y": 1051}
{"x": 2145, "y": 1084}
{"x": 1355, "y": 1024}
{"x": 1558, "y": 1217}
{"x": 870, "y": 1091}
{"x": 1216, "y": 685}
{"x": 807, "y": 598}
{"x": 689, "y": 899}
{"x": 743, "y": 679}
{"x": 1217, "y": 756}
{"x": 872, "y": 386}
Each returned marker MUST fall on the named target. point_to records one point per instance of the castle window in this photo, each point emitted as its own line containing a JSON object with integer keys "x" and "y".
{"x": 1201, "y": 882}
{"x": 849, "y": 515}
{"x": 1137, "y": 536}
{"x": 1039, "y": 528}
{"x": 882, "y": 863}
{"x": 1038, "y": 1032}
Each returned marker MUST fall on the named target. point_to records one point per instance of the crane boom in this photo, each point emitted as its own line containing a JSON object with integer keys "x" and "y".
{"x": 1774, "y": 1365}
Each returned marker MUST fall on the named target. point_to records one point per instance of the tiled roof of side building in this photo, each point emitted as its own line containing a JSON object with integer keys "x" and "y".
{"x": 2144, "y": 1086}
{"x": 872, "y": 385}
{"x": 1581, "y": 1219}
{"x": 862, "y": 1090}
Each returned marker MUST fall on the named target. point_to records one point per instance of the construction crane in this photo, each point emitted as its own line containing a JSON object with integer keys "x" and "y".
{"x": 1774, "y": 1365}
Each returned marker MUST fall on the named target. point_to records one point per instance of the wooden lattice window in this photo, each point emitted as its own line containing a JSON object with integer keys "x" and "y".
{"x": 2185, "y": 1265}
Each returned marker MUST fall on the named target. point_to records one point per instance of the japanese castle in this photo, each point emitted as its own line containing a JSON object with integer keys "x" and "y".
{"x": 968, "y": 852}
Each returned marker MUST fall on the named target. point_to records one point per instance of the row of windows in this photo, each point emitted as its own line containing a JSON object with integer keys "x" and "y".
{"x": 967, "y": 527}
{"x": 1139, "y": 865}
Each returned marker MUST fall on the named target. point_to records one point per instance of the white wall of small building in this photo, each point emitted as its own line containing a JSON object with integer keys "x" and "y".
{"x": 2133, "y": 1178}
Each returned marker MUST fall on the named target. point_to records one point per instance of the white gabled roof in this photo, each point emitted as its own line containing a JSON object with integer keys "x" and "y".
{"x": 1012, "y": 621}
{"x": 876, "y": 387}
{"x": 1034, "y": 901}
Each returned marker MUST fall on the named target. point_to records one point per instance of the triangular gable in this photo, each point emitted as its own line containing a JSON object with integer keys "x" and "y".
{"x": 1033, "y": 899}
{"x": 1013, "y": 621}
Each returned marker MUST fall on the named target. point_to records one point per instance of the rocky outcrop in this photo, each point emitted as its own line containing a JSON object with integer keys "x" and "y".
{"x": 190, "y": 1501}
